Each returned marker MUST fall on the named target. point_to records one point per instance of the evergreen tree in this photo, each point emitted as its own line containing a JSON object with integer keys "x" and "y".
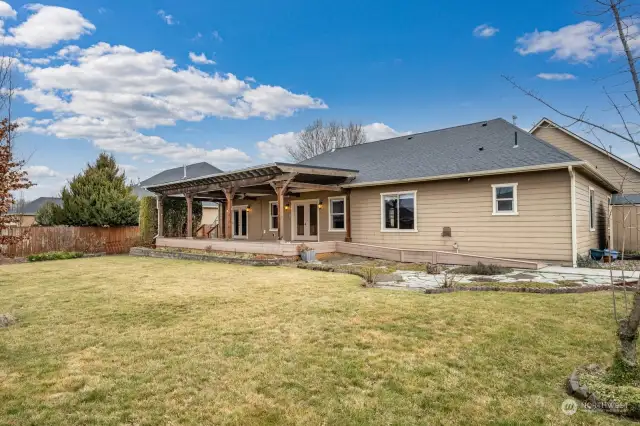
{"x": 99, "y": 196}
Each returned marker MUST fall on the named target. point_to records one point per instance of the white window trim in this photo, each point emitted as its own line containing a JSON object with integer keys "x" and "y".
{"x": 592, "y": 212}
{"x": 330, "y": 200}
{"x": 495, "y": 202}
{"x": 270, "y": 215}
{"x": 415, "y": 211}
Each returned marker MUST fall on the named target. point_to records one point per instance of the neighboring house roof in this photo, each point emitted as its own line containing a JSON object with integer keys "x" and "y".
{"x": 31, "y": 208}
{"x": 545, "y": 122}
{"x": 624, "y": 199}
{"x": 140, "y": 192}
{"x": 178, "y": 173}
{"x": 486, "y": 146}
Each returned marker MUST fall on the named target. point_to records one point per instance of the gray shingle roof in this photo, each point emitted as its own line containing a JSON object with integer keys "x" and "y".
{"x": 175, "y": 174}
{"x": 32, "y": 207}
{"x": 623, "y": 199}
{"x": 476, "y": 147}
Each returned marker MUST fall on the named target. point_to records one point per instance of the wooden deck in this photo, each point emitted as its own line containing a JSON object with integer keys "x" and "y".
{"x": 366, "y": 250}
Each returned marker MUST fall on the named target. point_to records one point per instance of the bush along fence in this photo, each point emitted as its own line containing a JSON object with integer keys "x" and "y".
{"x": 113, "y": 240}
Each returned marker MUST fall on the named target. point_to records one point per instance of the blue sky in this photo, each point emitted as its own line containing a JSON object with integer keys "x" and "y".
{"x": 163, "y": 83}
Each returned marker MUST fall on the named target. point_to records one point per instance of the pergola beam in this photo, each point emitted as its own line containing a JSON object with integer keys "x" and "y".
{"x": 219, "y": 186}
{"x": 314, "y": 186}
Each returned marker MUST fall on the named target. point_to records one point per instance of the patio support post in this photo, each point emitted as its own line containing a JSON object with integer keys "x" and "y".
{"x": 347, "y": 210}
{"x": 221, "y": 219}
{"x": 189, "y": 198}
{"x": 229, "y": 193}
{"x": 160, "y": 207}
{"x": 281, "y": 187}
{"x": 280, "y": 190}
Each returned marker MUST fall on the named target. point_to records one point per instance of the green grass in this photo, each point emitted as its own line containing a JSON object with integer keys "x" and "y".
{"x": 121, "y": 340}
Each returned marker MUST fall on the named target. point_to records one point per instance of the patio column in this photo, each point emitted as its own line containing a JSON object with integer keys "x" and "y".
{"x": 280, "y": 190}
{"x": 160, "y": 207}
{"x": 347, "y": 210}
{"x": 222, "y": 207}
{"x": 189, "y": 198}
{"x": 229, "y": 193}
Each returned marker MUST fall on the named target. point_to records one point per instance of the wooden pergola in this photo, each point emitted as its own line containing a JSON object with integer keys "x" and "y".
{"x": 281, "y": 179}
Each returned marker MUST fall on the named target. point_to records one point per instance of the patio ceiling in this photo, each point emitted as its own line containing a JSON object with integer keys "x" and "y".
{"x": 257, "y": 181}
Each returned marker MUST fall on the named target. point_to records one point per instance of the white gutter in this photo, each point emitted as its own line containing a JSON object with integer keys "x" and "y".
{"x": 574, "y": 237}
{"x": 543, "y": 167}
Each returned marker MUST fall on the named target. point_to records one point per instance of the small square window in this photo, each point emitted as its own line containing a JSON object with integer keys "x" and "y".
{"x": 505, "y": 199}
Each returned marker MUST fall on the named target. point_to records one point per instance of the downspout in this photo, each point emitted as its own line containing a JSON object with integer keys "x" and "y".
{"x": 574, "y": 237}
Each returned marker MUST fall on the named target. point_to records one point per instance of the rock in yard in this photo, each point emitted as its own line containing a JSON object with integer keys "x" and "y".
{"x": 6, "y": 320}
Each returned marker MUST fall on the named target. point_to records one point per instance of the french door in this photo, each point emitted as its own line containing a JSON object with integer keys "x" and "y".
{"x": 240, "y": 223}
{"x": 305, "y": 221}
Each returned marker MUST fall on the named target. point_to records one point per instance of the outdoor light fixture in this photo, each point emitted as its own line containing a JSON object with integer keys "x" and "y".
{"x": 320, "y": 204}
{"x": 248, "y": 209}
{"x": 286, "y": 206}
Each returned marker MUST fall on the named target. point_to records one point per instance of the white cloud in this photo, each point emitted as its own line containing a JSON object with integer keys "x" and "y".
{"x": 48, "y": 26}
{"x": 485, "y": 30}
{"x": 128, "y": 168}
{"x": 6, "y": 11}
{"x": 39, "y": 61}
{"x": 167, "y": 18}
{"x": 200, "y": 59}
{"x": 275, "y": 148}
{"x": 35, "y": 172}
{"x": 216, "y": 35}
{"x": 581, "y": 42}
{"x": 556, "y": 76}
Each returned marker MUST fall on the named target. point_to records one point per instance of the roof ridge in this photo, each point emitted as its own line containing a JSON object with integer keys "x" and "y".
{"x": 410, "y": 135}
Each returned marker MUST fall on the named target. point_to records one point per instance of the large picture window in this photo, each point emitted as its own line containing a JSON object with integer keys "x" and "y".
{"x": 399, "y": 211}
{"x": 273, "y": 215}
{"x": 337, "y": 214}
{"x": 505, "y": 199}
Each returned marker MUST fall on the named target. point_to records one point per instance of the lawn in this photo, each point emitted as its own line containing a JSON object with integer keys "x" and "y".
{"x": 122, "y": 340}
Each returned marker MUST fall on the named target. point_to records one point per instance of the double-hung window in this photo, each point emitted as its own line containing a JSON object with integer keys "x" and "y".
{"x": 337, "y": 214}
{"x": 273, "y": 215}
{"x": 399, "y": 211}
{"x": 505, "y": 199}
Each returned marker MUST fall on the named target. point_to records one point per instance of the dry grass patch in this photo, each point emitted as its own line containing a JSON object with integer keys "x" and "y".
{"x": 122, "y": 340}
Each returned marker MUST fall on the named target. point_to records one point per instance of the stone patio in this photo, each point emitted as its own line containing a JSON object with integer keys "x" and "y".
{"x": 415, "y": 280}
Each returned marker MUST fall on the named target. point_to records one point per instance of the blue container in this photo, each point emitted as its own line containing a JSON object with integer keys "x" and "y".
{"x": 597, "y": 254}
{"x": 613, "y": 253}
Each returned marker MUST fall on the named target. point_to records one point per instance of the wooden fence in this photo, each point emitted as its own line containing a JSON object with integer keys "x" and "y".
{"x": 624, "y": 222}
{"x": 64, "y": 238}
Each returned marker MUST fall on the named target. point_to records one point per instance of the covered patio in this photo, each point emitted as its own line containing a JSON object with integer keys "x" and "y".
{"x": 264, "y": 207}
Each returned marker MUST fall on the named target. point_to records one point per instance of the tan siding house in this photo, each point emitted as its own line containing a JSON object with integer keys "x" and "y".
{"x": 481, "y": 189}
{"x": 610, "y": 166}
{"x": 540, "y": 230}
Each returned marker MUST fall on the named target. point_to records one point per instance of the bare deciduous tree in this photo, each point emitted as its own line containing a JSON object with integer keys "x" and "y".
{"x": 318, "y": 138}
{"x": 626, "y": 104}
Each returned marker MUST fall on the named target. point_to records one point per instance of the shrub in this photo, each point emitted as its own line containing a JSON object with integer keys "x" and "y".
{"x": 369, "y": 273}
{"x": 433, "y": 268}
{"x": 148, "y": 220}
{"x": 481, "y": 269}
{"x": 587, "y": 262}
{"x": 50, "y": 214}
{"x": 54, "y": 255}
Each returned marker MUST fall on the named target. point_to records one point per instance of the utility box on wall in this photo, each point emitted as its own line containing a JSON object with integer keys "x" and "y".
{"x": 446, "y": 231}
